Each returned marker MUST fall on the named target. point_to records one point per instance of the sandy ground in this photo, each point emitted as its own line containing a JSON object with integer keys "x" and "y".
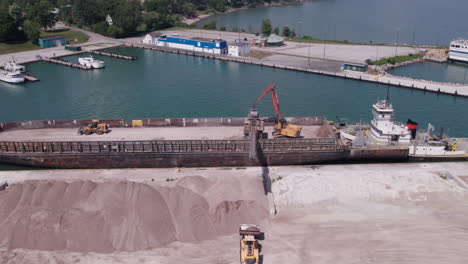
{"x": 161, "y": 133}
{"x": 381, "y": 213}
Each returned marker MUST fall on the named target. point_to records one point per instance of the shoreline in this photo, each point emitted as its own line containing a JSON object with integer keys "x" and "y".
{"x": 200, "y": 17}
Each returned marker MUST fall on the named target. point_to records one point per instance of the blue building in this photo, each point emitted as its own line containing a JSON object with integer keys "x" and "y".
{"x": 216, "y": 46}
{"x": 52, "y": 41}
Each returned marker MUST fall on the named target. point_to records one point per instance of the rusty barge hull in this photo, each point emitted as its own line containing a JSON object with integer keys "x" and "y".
{"x": 322, "y": 147}
{"x": 167, "y": 160}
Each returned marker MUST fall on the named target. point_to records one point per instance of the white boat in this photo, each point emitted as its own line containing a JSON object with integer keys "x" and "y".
{"x": 13, "y": 67}
{"x": 91, "y": 62}
{"x": 11, "y": 76}
{"x": 458, "y": 50}
{"x": 384, "y": 131}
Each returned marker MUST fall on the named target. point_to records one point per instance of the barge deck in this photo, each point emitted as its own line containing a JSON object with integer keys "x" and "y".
{"x": 144, "y": 134}
{"x": 184, "y": 142}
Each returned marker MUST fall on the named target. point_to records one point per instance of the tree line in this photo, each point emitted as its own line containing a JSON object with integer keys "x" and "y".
{"x": 23, "y": 19}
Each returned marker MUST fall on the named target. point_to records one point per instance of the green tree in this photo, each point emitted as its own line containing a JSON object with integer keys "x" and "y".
{"x": 276, "y": 30}
{"x": 210, "y": 25}
{"x": 152, "y": 20}
{"x": 17, "y": 14}
{"x": 101, "y": 28}
{"x": 31, "y": 29}
{"x": 40, "y": 13}
{"x": 128, "y": 16}
{"x": 266, "y": 26}
{"x": 217, "y": 5}
{"x": 293, "y": 34}
{"x": 88, "y": 12}
{"x": 7, "y": 25}
{"x": 286, "y": 31}
{"x": 115, "y": 31}
{"x": 188, "y": 10}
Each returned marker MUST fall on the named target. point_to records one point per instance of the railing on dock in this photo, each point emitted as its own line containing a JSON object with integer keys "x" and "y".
{"x": 170, "y": 146}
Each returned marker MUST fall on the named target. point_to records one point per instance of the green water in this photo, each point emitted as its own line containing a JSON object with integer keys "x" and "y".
{"x": 439, "y": 72}
{"x": 162, "y": 85}
{"x": 432, "y": 22}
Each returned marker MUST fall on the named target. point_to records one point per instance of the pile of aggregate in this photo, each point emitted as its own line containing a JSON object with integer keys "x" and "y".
{"x": 104, "y": 217}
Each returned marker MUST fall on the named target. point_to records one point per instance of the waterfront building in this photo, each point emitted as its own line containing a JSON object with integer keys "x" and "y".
{"x": 238, "y": 48}
{"x": 275, "y": 40}
{"x": 264, "y": 40}
{"x": 52, "y": 41}
{"x": 151, "y": 38}
{"x": 207, "y": 45}
{"x": 109, "y": 20}
{"x": 354, "y": 67}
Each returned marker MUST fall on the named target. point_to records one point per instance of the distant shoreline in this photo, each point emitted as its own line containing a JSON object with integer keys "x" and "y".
{"x": 192, "y": 21}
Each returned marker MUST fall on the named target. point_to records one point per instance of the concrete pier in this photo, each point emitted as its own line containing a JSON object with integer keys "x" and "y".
{"x": 113, "y": 55}
{"x": 66, "y": 63}
{"x": 386, "y": 79}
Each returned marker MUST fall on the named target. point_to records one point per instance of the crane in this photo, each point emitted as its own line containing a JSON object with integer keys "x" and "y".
{"x": 282, "y": 128}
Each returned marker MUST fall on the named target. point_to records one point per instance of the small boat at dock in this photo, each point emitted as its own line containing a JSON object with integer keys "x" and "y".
{"x": 13, "y": 67}
{"x": 11, "y": 76}
{"x": 90, "y": 62}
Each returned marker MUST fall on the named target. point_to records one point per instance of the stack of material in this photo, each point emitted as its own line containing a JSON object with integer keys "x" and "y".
{"x": 125, "y": 216}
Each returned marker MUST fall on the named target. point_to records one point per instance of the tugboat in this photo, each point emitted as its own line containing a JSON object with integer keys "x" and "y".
{"x": 90, "y": 62}
{"x": 385, "y": 131}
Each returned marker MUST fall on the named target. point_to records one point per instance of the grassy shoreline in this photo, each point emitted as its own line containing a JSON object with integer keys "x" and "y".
{"x": 72, "y": 37}
{"x": 396, "y": 59}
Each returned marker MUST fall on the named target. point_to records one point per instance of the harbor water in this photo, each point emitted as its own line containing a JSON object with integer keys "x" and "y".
{"x": 166, "y": 85}
{"x": 361, "y": 21}
{"x": 439, "y": 72}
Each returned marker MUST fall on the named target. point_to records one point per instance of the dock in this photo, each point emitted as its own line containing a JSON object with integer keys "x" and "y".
{"x": 113, "y": 55}
{"x": 67, "y": 63}
{"x": 436, "y": 58}
{"x": 30, "y": 78}
{"x": 386, "y": 79}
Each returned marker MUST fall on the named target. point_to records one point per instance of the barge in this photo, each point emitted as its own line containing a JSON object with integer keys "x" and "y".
{"x": 205, "y": 142}
{"x": 182, "y": 142}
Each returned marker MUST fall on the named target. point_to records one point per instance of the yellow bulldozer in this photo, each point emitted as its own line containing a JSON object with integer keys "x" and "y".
{"x": 94, "y": 127}
{"x": 249, "y": 246}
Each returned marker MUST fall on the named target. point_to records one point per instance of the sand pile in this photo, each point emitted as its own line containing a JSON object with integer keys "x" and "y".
{"x": 125, "y": 216}
{"x": 317, "y": 185}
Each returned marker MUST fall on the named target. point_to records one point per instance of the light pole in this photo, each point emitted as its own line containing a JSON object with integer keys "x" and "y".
{"x": 377, "y": 52}
{"x": 396, "y": 42}
{"x": 308, "y": 57}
